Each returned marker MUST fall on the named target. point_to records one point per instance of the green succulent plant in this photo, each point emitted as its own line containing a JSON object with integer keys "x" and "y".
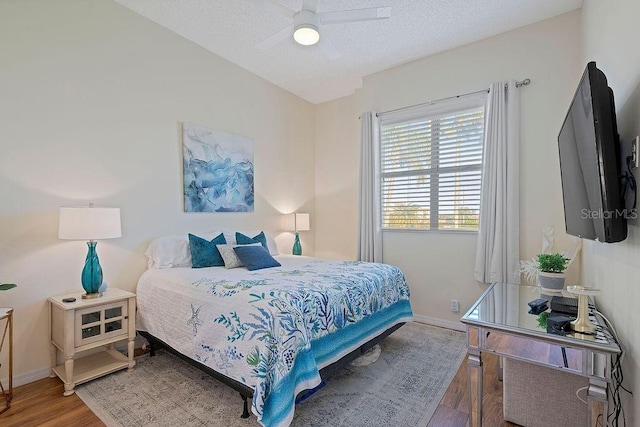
{"x": 7, "y": 286}
{"x": 552, "y": 263}
{"x": 542, "y": 319}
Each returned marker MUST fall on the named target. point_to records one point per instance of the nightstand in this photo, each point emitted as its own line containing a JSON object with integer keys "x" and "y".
{"x": 88, "y": 324}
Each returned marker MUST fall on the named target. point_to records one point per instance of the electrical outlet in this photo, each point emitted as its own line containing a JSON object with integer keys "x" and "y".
{"x": 635, "y": 151}
{"x": 455, "y": 305}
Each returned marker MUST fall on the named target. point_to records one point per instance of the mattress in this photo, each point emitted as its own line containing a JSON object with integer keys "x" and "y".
{"x": 272, "y": 329}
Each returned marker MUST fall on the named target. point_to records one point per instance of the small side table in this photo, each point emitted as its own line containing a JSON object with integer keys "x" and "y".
{"x": 500, "y": 323}
{"x": 86, "y": 324}
{"x": 6, "y": 314}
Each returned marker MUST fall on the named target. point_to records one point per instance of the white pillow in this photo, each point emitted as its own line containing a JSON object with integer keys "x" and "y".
{"x": 271, "y": 242}
{"x": 169, "y": 252}
{"x": 230, "y": 236}
{"x": 229, "y": 256}
{"x": 173, "y": 251}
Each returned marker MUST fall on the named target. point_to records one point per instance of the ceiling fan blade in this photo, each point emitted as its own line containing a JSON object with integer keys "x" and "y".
{"x": 311, "y": 5}
{"x": 355, "y": 15}
{"x": 276, "y": 38}
{"x": 326, "y": 45}
{"x": 277, "y": 7}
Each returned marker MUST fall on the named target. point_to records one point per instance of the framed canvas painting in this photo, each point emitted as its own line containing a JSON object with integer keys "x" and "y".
{"x": 217, "y": 170}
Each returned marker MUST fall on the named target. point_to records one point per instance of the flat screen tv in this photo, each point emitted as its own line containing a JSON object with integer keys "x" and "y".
{"x": 589, "y": 147}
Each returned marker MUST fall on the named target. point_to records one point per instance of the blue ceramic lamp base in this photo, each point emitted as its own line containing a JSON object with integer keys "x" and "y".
{"x": 297, "y": 247}
{"x": 92, "y": 273}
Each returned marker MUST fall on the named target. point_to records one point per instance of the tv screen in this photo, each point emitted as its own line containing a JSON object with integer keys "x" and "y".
{"x": 590, "y": 162}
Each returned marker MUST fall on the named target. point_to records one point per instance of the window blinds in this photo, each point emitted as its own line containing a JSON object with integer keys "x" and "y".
{"x": 431, "y": 164}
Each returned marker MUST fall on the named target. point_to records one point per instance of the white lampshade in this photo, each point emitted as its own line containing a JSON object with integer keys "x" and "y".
{"x": 89, "y": 223}
{"x": 306, "y": 34}
{"x": 302, "y": 222}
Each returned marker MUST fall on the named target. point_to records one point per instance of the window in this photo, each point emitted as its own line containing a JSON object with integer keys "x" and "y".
{"x": 431, "y": 165}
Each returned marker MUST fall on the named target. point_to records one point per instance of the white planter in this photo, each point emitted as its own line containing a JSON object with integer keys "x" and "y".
{"x": 551, "y": 281}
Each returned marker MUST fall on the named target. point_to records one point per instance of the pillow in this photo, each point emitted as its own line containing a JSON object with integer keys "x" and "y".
{"x": 230, "y": 258}
{"x": 204, "y": 253}
{"x": 172, "y": 251}
{"x": 255, "y": 257}
{"x": 271, "y": 243}
{"x": 241, "y": 239}
{"x": 169, "y": 252}
{"x": 273, "y": 248}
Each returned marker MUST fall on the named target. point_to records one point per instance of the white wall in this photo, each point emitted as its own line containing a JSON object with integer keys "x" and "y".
{"x": 337, "y": 169}
{"x": 439, "y": 266}
{"x": 611, "y": 39}
{"x": 90, "y": 98}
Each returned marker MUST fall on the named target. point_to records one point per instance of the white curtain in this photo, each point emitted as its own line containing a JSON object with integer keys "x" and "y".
{"x": 369, "y": 228}
{"x": 497, "y": 253}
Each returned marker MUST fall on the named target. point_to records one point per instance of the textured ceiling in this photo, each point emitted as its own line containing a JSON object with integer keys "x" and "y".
{"x": 417, "y": 28}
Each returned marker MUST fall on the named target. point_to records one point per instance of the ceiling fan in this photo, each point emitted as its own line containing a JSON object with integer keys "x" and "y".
{"x": 306, "y": 24}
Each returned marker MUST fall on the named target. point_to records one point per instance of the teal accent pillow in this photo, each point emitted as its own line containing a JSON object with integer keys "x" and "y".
{"x": 241, "y": 239}
{"x": 255, "y": 257}
{"x": 204, "y": 253}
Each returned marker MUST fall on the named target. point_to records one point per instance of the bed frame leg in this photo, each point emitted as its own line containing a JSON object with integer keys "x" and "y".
{"x": 152, "y": 349}
{"x": 245, "y": 409}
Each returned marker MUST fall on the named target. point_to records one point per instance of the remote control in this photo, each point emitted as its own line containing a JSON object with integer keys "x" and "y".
{"x": 537, "y": 309}
{"x": 68, "y": 299}
{"x": 537, "y": 303}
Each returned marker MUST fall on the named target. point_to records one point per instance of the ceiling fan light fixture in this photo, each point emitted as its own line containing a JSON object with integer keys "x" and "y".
{"x": 306, "y": 34}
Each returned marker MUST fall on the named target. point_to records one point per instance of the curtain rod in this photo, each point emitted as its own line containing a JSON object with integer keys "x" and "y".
{"x": 521, "y": 83}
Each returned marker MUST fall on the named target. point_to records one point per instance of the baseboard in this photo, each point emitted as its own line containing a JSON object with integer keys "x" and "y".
{"x": 39, "y": 374}
{"x": 30, "y": 377}
{"x": 457, "y": 326}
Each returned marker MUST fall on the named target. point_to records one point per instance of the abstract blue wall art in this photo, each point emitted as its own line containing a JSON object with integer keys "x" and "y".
{"x": 218, "y": 170}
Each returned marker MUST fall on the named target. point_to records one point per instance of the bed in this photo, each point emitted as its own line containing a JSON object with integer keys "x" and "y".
{"x": 268, "y": 333}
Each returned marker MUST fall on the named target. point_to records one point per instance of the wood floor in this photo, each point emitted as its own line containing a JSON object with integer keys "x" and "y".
{"x": 453, "y": 410}
{"x": 41, "y": 403}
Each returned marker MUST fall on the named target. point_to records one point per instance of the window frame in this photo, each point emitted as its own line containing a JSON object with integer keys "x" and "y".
{"x": 426, "y": 112}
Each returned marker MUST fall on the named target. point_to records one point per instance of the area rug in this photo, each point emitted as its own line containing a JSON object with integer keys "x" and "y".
{"x": 402, "y": 388}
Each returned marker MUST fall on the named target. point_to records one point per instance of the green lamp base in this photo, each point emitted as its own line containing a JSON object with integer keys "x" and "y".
{"x": 297, "y": 247}
{"x": 92, "y": 273}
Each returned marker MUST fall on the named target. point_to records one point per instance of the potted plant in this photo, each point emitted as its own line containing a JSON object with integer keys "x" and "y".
{"x": 542, "y": 319}
{"x": 6, "y": 286}
{"x": 551, "y": 271}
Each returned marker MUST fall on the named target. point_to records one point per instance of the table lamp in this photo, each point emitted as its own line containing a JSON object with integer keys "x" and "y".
{"x": 90, "y": 223}
{"x": 582, "y": 324}
{"x": 300, "y": 223}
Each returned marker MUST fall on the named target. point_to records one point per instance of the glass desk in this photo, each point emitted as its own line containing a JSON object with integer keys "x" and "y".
{"x": 500, "y": 323}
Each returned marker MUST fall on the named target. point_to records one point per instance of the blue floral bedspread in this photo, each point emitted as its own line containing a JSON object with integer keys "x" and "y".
{"x": 272, "y": 329}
